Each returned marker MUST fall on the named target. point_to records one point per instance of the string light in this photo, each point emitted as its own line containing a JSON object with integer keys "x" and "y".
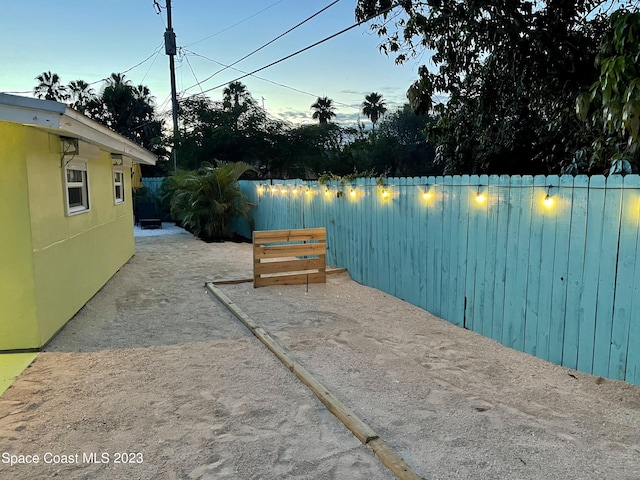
{"x": 352, "y": 193}
{"x": 479, "y": 195}
{"x": 426, "y": 193}
{"x": 385, "y": 194}
{"x": 548, "y": 201}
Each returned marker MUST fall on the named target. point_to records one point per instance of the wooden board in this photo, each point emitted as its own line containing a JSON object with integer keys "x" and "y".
{"x": 277, "y": 257}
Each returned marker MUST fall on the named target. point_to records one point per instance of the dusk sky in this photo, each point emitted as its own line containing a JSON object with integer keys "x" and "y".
{"x": 85, "y": 40}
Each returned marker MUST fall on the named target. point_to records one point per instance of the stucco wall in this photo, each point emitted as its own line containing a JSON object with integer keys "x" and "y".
{"x": 70, "y": 257}
{"x": 18, "y": 319}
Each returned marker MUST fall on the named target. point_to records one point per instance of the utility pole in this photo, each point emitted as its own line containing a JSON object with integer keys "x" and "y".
{"x": 170, "y": 49}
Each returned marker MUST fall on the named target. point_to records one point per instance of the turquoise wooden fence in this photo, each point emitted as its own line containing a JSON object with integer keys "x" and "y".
{"x": 555, "y": 277}
{"x": 153, "y": 184}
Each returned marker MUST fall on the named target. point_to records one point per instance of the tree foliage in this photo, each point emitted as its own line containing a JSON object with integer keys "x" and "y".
{"x": 399, "y": 148}
{"x": 611, "y": 106}
{"x": 510, "y": 71}
{"x": 373, "y": 107}
{"x": 323, "y": 109}
{"x": 50, "y": 87}
{"x": 205, "y": 201}
{"x": 228, "y": 132}
{"x": 126, "y": 109}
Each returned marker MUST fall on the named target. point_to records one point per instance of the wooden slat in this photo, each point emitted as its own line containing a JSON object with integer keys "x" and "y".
{"x": 279, "y": 251}
{"x": 462, "y": 212}
{"x": 575, "y": 284}
{"x": 547, "y": 270}
{"x": 392, "y": 461}
{"x": 273, "y": 236}
{"x": 591, "y": 273}
{"x": 261, "y": 268}
{"x": 627, "y": 265}
{"x": 471, "y": 255}
{"x": 534, "y": 266}
{"x": 500, "y": 269}
{"x": 607, "y": 275}
{"x": 495, "y": 204}
{"x": 280, "y": 262}
{"x": 297, "y": 279}
{"x": 510, "y": 311}
{"x": 562, "y": 202}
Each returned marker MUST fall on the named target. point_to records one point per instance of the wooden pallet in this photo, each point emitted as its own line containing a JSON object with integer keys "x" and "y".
{"x": 289, "y": 257}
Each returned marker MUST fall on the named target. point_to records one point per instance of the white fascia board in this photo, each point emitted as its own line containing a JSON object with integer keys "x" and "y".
{"x": 28, "y": 116}
{"x": 76, "y": 125}
{"x": 57, "y": 118}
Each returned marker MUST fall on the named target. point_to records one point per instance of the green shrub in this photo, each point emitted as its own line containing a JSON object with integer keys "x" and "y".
{"x": 205, "y": 201}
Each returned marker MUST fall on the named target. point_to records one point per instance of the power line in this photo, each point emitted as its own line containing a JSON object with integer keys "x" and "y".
{"x": 150, "y": 66}
{"x": 262, "y": 47}
{"x": 155, "y": 53}
{"x": 235, "y": 24}
{"x": 303, "y": 49}
{"x": 264, "y": 80}
{"x": 186, "y": 57}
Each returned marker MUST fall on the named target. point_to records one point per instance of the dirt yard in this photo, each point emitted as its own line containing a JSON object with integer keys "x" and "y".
{"x": 153, "y": 378}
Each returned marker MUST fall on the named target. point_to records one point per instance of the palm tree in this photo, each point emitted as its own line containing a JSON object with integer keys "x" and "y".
{"x": 235, "y": 94}
{"x": 50, "y": 87}
{"x": 81, "y": 95}
{"x": 118, "y": 104}
{"x": 324, "y": 110}
{"x": 373, "y": 107}
{"x": 207, "y": 200}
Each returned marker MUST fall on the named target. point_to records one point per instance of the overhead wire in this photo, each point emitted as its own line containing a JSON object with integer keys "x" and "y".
{"x": 262, "y": 46}
{"x": 235, "y": 24}
{"x": 154, "y": 53}
{"x": 187, "y": 52}
{"x": 344, "y": 30}
{"x": 186, "y": 57}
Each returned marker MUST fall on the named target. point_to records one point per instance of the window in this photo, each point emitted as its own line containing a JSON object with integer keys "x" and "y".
{"x": 77, "y": 187}
{"x": 118, "y": 185}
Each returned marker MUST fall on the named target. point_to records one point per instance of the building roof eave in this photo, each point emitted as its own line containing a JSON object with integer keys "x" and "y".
{"x": 62, "y": 120}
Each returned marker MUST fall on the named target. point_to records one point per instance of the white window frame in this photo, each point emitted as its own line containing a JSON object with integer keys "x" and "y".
{"x": 83, "y": 185}
{"x": 118, "y": 199}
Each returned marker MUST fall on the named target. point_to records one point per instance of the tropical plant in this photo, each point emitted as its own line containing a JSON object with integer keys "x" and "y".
{"x": 128, "y": 110}
{"x": 323, "y": 110}
{"x": 82, "y": 95}
{"x": 236, "y": 94}
{"x": 50, "y": 87}
{"x": 373, "y": 107}
{"x": 207, "y": 200}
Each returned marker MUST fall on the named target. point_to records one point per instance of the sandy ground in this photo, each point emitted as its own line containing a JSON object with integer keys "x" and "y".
{"x": 157, "y": 369}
